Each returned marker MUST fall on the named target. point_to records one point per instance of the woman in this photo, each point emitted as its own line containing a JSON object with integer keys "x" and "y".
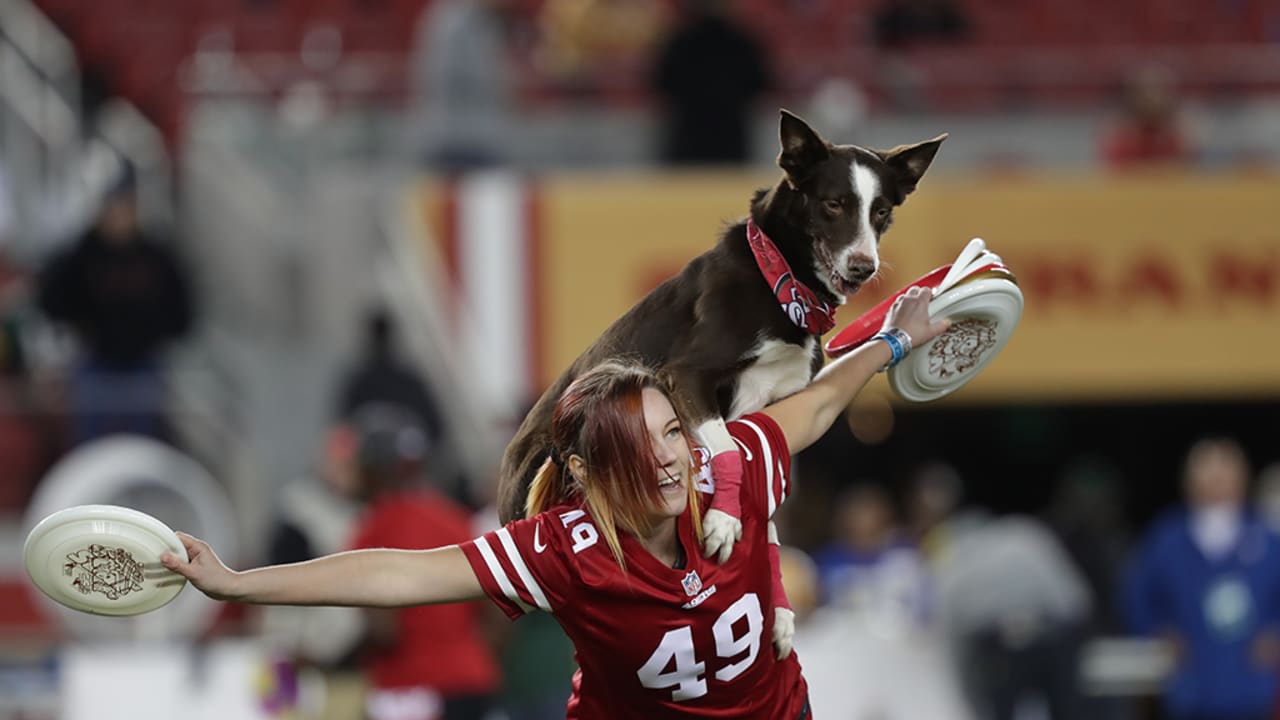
{"x": 609, "y": 547}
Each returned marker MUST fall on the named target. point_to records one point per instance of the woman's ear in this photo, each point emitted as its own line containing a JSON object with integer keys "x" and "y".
{"x": 578, "y": 468}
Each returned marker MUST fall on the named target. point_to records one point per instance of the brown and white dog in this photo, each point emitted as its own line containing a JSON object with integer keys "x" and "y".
{"x": 740, "y": 326}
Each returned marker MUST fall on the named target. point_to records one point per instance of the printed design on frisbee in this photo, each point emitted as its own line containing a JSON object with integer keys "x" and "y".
{"x": 961, "y": 347}
{"x": 111, "y": 571}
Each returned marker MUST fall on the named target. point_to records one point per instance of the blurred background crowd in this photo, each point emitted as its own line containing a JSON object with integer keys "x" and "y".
{"x": 286, "y": 274}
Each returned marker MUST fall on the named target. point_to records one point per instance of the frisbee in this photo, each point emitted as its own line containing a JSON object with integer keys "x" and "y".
{"x": 984, "y": 313}
{"x": 981, "y": 297}
{"x": 104, "y": 560}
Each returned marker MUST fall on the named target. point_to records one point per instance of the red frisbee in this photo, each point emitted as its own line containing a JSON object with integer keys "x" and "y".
{"x": 869, "y": 323}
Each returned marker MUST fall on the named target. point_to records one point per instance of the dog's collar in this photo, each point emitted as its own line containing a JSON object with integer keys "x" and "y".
{"x": 798, "y": 302}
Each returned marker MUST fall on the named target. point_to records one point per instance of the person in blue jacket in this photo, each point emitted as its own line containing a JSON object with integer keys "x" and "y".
{"x": 1207, "y": 579}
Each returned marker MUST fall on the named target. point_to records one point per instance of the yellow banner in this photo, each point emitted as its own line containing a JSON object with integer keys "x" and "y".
{"x": 1136, "y": 287}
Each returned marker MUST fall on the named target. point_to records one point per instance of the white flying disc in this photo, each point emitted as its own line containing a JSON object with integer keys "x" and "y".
{"x": 984, "y": 312}
{"x": 104, "y": 560}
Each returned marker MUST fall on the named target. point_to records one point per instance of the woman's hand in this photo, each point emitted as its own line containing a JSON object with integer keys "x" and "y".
{"x": 203, "y": 569}
{"x": 910, "y": 313}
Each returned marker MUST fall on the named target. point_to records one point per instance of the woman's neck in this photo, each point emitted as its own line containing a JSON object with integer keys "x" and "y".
{"x": 662, "y": 542}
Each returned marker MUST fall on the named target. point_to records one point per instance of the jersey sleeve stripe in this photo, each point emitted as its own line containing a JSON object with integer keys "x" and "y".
{"x": 517, "y": 561}
{"x": 495, "y": 569}
{"x": 776, "y": 480}
{"x": 766, "y": 459}
{"x": 783, "y": 491}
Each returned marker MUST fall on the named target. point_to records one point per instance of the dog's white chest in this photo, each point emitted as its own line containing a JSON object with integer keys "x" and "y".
{"x": 780, "y": 369}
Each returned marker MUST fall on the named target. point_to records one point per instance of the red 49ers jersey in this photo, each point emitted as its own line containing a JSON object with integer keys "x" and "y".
{"x": 656, "y": 641}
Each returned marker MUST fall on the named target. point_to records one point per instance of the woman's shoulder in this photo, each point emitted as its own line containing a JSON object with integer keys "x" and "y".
{"x": 566, "y": 541}
{"x": 758, "y": 430}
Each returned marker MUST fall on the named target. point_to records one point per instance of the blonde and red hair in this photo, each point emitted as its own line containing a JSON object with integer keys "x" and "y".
{"x": 600, "y": 419}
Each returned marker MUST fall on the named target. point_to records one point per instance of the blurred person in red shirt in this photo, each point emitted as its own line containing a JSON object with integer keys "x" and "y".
{"x": 1151, "y": 128}
{"x": 429, "y": 662}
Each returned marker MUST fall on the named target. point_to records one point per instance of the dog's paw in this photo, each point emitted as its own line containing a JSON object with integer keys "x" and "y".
{"x": 720, "y": 531}
{"x": 784, "y": 631}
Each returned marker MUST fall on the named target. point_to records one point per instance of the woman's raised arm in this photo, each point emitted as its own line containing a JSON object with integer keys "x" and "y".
{"x": 807, "y": 415}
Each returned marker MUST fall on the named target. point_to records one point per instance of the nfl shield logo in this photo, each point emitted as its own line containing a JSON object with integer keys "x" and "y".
{"x": 692, "y": 583}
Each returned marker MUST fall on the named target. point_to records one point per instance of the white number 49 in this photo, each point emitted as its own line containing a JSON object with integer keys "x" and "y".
{"x": 688, "y": 671}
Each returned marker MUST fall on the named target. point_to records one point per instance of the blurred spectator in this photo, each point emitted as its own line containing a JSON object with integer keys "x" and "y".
{"x": 317, "y": 512}
{"x": 871, "y": 651}
{"x": 426, "y": 662}
{"x": 901, "y": 24}
{"x": 581, "y": 40}
{"x": 708, "y": 75}
{"x": 1267, "y": 496}
{"x": 462, "y": 77}
{"x": 1012, "y": 604}
{"x": 380, "y": 378}
{"x": 1087, "y": 515}
{"x": 1207, "y": 579}
{"x": 839, "y": 106}
{"x": 125, "y": 296}
{"x": 1151, "y": 128}
{"x": 868, "y": 565}
{"x": 316, "y": 516}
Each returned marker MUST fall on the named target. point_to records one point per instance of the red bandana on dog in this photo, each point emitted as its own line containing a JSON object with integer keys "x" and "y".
{"x": 798, "y": 302}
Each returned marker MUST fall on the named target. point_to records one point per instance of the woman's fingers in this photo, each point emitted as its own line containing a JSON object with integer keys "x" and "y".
{"x": 190, "y": 542}
{"x": 193, "y": 546}
{"x": 911, "y": 313}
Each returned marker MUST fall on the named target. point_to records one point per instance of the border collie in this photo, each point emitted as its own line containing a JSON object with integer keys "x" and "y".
{"x": 740, "y": 326}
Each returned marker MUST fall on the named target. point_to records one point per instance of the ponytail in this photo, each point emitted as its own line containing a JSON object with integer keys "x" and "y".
{"x": 547, "y": 489}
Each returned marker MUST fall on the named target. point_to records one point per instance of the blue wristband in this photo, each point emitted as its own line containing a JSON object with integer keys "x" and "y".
{"x": 899, "y": 344}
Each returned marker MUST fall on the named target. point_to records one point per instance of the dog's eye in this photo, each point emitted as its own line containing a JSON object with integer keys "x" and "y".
{"x": 834, "y": 205}
{"x": 882, "y": 213}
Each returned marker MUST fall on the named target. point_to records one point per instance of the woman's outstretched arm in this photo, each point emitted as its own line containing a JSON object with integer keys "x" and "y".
{"x": 359, "y": 578}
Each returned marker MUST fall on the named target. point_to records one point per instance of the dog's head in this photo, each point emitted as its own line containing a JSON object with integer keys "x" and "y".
{"x": 841, "y": 198}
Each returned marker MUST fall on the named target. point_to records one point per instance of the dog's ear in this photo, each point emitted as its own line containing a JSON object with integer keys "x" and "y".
{"x": 802, "y": 148}
{"x": 909, "y": 162}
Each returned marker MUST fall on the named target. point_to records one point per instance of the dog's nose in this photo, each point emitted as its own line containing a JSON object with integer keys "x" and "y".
{"x": 861, "y": 268}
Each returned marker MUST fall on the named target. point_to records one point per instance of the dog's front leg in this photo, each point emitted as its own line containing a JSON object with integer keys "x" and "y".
{"x": 784, "y": 618}
{"x": 722, "y": 525}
